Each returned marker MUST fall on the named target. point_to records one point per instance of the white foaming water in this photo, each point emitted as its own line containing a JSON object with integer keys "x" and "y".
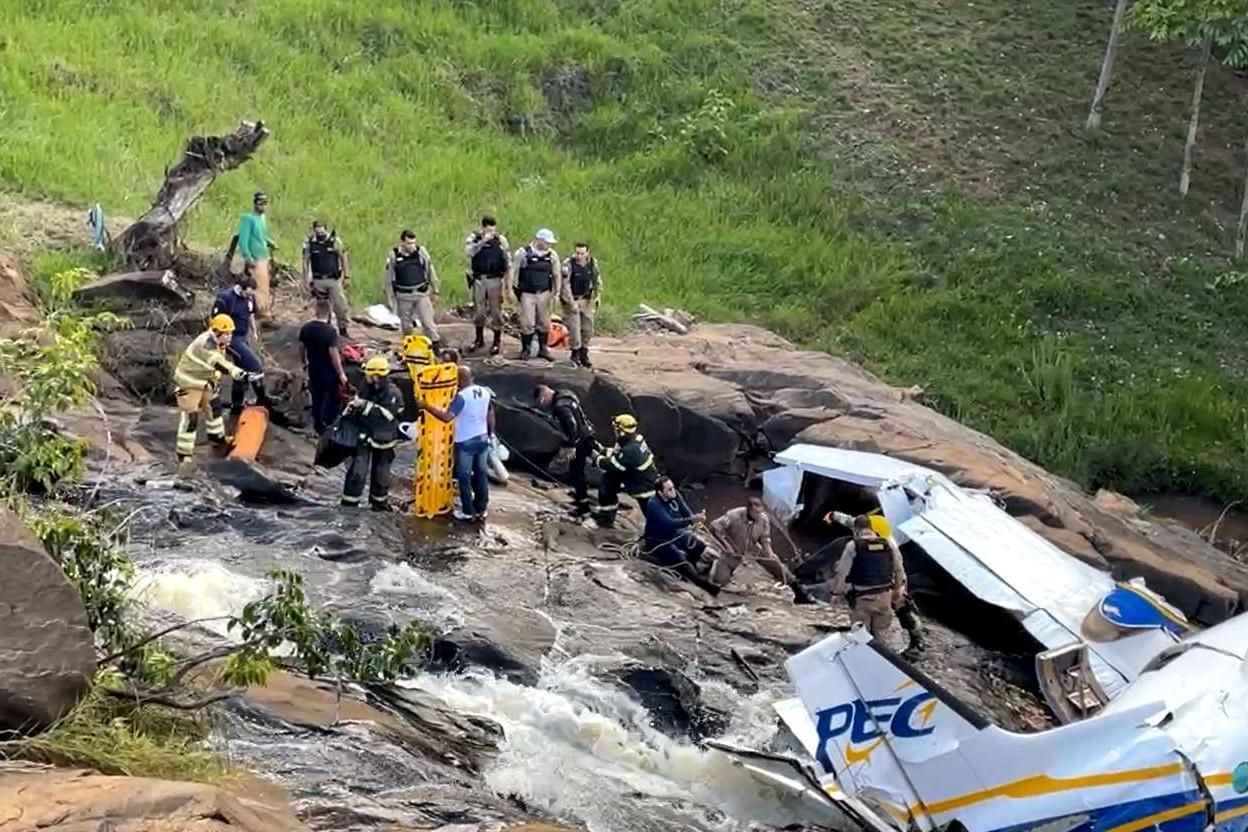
{"x": 197, "y": 589}
{"x": 434, "y": 605}
{"x": 582, "y": 748}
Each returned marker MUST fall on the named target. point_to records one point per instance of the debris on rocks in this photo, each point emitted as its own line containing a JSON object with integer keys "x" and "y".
{"x": 673, "y": 320}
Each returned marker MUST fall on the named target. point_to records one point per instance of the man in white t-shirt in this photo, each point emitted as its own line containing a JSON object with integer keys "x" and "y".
{"x": 472, "y": 412}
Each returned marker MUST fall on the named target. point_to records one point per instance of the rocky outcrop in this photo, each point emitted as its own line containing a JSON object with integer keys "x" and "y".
{"x": 17, "y": 308}
{"x": 47, "y": 655}
{"x": 64, "y": 800}
{"x": 127, "y": 290}
{"x": 713, "y": 401}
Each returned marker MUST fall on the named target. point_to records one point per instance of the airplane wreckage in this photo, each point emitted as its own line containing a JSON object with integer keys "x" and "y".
{"x": 884, "y": 747}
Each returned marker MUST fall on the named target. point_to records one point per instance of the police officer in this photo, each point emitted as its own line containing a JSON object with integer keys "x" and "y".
{"x": 872, "y": 578}
{"x": 326, "y": 270}
{"x": 410, "y": 283}
{"x": 578, "y": 438}
{"x": 376, "y": 410}
{"x": 536, "y": 277}
{"x": 582, "y": 293}
{"x": 629, "y": 466}
{"x": 489, "y": 260}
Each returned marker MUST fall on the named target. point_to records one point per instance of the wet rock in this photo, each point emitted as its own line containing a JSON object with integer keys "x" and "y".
{"x": 142, "y": 361}
{"x": 131, "y": 289}
{"x": 17, "y": 305}
{"x": 510, "y": 644}
{"x": 255, "y": 485}
{"x": 70, "y": 800}
{"x": 47, "y": 653}
{"x": 674, "y": 702}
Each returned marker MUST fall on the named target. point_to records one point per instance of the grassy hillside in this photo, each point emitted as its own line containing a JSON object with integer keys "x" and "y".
{"x": 904, "y": 181}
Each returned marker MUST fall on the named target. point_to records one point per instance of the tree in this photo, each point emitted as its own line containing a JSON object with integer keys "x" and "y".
{"x": 1196, "y": 22}
{"x": 1107, "y": 66}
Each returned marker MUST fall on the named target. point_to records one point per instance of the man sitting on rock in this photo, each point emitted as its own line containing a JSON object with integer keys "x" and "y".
{"x": 746, "y": 532}
{"x": 669, "y": 540}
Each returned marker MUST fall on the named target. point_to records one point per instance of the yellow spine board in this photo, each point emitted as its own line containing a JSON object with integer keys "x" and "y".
{"x": 433, "y": 482}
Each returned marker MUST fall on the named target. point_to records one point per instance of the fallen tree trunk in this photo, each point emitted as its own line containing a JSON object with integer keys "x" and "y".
{"x": 152, "y": 243}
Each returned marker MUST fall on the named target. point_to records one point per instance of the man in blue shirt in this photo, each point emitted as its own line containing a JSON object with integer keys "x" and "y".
{"x": 473, "y": 413}
{"x": 669, "y": 541}
{"x": 239, "y": 302}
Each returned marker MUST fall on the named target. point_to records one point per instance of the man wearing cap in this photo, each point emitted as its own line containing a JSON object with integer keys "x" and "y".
{"x": 410, "y": 283}
{"x": 326, "y": 271}
{"x": 489, "y": 260}
{"x": 536, "y": 277}
{"x": 256, "y": 248}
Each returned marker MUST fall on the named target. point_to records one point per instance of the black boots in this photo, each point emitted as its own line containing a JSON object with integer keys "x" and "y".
{"x": 525, "y": 340}
{"x": 800, "y": 596}
{"x": 580, "y": 357}
{"x": 494, "y": 347}
{"x": 543, "y": 351}
{"x": 479, "y": 341}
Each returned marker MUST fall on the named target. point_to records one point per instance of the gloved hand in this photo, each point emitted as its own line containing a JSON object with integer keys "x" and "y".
{"x": 355, "y": 404}
{"x": 255, "y": 376}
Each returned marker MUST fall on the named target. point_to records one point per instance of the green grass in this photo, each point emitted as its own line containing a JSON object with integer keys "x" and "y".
{"x": 115, "y": 737}
{"x": 905, "y": 182}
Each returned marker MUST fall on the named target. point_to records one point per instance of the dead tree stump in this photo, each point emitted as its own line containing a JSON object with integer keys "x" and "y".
{"x": 152, "y": 242}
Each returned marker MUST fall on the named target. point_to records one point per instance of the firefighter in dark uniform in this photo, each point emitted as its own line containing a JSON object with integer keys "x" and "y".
{"x": 327, "y": 271}
{"x": 628, "y": 466}
{"x": 872, "y": 578}
{"x": 376, "y": 410}
{"x": 578, "y": 438}
{"x": 489, "y": 260}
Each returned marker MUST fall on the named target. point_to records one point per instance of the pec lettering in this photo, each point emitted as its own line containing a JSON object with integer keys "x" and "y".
{"x": 871, "y": 719}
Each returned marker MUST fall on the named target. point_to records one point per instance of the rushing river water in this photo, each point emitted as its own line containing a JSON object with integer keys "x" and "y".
{"x": 575, "y": 745}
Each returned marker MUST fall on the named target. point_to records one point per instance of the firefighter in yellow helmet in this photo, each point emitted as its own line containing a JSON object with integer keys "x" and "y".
{"x": 196, "y": 378}
{"x": 376, "y": 410}
{"x": 628, "y": 466}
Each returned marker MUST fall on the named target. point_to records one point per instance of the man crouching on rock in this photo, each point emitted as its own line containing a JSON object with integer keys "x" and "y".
{"x": 746, "y": 532}
{"x": 871, "y": 576}
{"x": 669, "y": 540}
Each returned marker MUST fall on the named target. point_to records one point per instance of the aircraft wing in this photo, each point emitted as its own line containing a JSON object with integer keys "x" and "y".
{"x": 1005, "y": 564}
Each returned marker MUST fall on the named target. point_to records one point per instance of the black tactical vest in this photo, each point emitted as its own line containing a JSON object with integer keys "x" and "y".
{"x": 323, "y": 258}
{"x": 490, "y": 260}
{"x": 582, "y": 278}
{"x": 410, "y": 273}
{"x": 538, "y": 272}
{"x": 873, "y": 564}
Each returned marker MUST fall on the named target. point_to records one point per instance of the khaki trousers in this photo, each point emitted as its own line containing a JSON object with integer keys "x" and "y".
{"x": 416, "y": 307}
{"x": 534, "y": 312}
{"x": 875, "y": 612}
{"x": 264, "y": 296}
{"x": 728, "y": 560}
{"x": 331, "y": 288}
{"x": 487, "y": 302}
{"x": 192, "y": 404}
{"x": 579, "y": 318}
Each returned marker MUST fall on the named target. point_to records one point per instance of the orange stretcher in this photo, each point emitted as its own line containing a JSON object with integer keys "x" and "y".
{"x": 253, "y": 422}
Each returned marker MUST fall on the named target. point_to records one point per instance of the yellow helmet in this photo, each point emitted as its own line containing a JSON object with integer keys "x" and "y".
{"x": 415, "y": 346}
{"x": 625, "y": 423}
{"x": 221, "y": 324}
{"x": 377, "y": 366}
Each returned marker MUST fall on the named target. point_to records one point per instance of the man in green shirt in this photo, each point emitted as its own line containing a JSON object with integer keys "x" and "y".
{"x": 255, "y": 246}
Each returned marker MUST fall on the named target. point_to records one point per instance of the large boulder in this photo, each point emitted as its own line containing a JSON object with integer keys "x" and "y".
{"x": 17, "y": 306}
{"x": 127, "y": 290}
{"x": 69, "y": 800}
{"x": 47, "y": 654}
